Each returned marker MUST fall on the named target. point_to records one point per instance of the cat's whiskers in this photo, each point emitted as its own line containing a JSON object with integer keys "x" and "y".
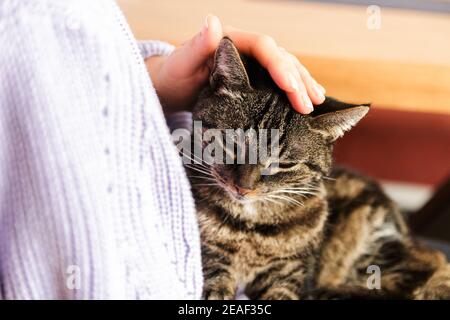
{"x": 303, "y": 191}
{"x": 196, "y": 162}
{"x": 300, "y": 193}
{"x": 268, "y": 199}
{"x": 286, "y": 199}
{"x": 200, "y": 170}
{"x": 288, "y": 193}
{"x": 310, "y": 188}
{"x": 298, "y": 188}
{"x": 203, "y": 178}
{"x": 302, "y": 186}
{"x": 206, "y": 184}
{"x": 197, "y": 157}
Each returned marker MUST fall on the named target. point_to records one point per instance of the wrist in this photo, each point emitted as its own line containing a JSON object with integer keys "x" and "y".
{"x": 154, "y": 64}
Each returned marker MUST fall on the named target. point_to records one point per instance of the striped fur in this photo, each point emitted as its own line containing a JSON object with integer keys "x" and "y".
{"x": 309, "y": 230}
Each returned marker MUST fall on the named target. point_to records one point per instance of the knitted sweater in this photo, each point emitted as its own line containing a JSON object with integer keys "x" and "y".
{"x": 94, "y": 202}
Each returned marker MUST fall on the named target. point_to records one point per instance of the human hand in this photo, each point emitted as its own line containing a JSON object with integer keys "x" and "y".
{"x": 179, "y": 77}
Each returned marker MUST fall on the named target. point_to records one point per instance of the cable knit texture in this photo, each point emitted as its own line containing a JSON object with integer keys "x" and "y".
{"x": 94, "y": 202}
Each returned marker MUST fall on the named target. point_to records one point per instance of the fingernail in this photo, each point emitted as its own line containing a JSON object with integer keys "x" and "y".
{"x": 307, "y": 103}
{"x": 321, "y": 88}
{"x": 292, "y": 82}
{"x": 205, "y": 26}
{"x": 319, "y": 91}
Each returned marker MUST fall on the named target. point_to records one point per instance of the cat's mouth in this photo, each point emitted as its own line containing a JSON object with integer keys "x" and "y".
{"x": 240, "y": 195}
{"x": 242, "y": 199}
{"x": 237, "y": 194}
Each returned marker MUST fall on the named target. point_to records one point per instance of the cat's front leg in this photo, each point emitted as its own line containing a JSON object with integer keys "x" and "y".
{"x": 220, "y": 287}
{"x": 219, "y": 276}
{"x": 282, "y": 280}
{"x": 437, "y": 287}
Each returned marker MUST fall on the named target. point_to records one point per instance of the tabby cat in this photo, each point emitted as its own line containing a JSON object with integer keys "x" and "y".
{"x": 309, "y": 230}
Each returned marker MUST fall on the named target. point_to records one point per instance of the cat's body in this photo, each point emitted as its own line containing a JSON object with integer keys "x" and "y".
{"x": 308, "y": 230}
{"x": 329, "y": 244}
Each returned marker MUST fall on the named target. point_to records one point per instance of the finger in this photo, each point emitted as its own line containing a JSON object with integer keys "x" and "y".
{"x": 265, "y": 50}
{"x": 299, "y": 99}
{"x": 280, "y": 67}
{"x": 194, "y": 54}
{"x": 302, "y": 70}
{"x": 315, "y": 91}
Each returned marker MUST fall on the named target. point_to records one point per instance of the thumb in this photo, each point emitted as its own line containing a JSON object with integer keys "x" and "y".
{"x": 194, "y": 54}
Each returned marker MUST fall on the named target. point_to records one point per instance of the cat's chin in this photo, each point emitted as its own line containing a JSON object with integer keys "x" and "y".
{"x": 249, "y": 209}
{"x": 246, "y": 201}
{"x": 242, "y": 200}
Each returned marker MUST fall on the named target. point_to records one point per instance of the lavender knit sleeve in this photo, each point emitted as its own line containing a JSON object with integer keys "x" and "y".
{"x": 150, "y": 48}
{"x": 94, "y": 201}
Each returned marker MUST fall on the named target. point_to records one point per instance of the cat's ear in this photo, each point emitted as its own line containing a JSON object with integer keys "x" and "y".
{"x": 228, "y": 73}
{"x": 333, "y": 118}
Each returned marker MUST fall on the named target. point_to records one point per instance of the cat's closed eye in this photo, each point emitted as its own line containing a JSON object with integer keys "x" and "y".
{"x": 275, "y": 167}
{"x": 286, "y": 165}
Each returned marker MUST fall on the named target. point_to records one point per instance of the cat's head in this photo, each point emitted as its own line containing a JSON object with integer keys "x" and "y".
{"x": 242, "y": 95}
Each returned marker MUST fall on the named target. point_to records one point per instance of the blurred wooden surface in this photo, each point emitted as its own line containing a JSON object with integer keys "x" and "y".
{"x": 403, "y": 68}
{"x": 399, "y": 146}
{"x": 405, "y": 65}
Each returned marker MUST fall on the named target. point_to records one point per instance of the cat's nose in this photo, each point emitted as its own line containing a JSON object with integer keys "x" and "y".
{"x": 242, "y": 191}
{"x": 247, "y": 176}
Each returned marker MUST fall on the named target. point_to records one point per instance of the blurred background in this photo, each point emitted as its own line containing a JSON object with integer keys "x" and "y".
{"x": 393, "y": 53}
